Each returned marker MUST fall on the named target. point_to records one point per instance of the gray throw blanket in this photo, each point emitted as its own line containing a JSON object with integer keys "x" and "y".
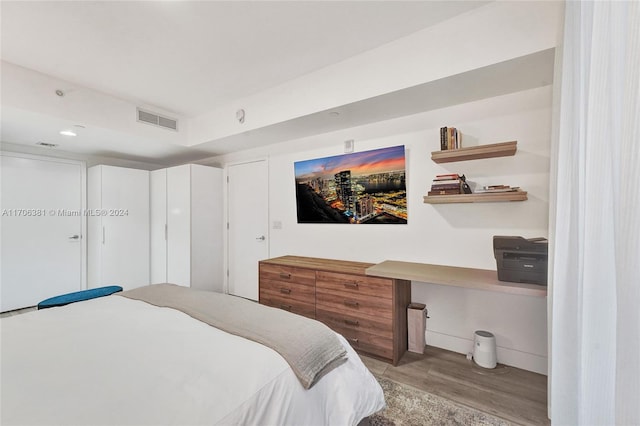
{"x": 310, "y": 347}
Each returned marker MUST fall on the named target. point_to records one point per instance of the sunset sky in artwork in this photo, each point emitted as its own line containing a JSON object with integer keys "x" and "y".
{"x": 360, "y": 163}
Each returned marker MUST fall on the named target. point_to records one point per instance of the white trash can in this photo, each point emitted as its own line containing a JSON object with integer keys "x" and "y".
{"x": 484, "y": 349}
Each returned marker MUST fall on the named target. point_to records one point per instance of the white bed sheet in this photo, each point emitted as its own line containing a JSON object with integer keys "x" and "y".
{"x": 117, "y": 361}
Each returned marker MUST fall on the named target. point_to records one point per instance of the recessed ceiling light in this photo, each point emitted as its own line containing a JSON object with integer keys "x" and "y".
{"x": 68, "y": 133}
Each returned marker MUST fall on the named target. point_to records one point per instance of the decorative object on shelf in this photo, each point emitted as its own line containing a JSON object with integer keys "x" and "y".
{"x": 466, "y": 189}
{"x": 450, "y": 138}
{"x": 363, "y": 187}
{"x": 492, "y": 189}
{"x": 503, "y": 149}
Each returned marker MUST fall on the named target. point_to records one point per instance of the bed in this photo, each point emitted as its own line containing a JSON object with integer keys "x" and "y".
{"x": 117, "y": 360}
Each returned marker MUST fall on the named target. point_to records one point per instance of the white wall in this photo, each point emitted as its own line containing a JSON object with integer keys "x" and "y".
{"x": 452, "y": 234}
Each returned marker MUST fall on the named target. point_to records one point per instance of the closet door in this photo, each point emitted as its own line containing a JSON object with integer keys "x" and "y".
{"x": 179, "y": 225}
{"x": 120, "y": 237}
{"x": 206, "y": 225}
{"x": 159, "y": 229}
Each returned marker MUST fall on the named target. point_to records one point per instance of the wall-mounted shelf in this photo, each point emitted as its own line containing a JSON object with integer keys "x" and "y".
{"x": 477, "y": 279}
{"x": 503, "y": 149}
{"x": 477, "y": 198}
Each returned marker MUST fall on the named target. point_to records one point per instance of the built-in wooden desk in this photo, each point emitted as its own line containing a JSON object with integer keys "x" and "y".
{"x": 478, "y": 279}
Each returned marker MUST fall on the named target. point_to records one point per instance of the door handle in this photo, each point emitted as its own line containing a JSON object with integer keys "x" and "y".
{"x": 261, "y": 238}
{"x": 74, "y": 237}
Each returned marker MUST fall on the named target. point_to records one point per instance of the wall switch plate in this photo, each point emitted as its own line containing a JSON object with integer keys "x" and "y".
{"x": 277, "y": 224}
{"x": 348, "y": 146}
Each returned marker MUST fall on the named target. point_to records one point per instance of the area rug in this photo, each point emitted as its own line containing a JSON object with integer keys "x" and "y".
{"x": 407, "y": 406}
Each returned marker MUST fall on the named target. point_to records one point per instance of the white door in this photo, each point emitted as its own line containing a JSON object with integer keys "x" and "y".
{"x": 248, "y": 218}
{"x": 41, "y": 229}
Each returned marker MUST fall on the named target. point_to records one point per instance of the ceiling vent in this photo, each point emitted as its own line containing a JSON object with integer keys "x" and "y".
{"x": 48, "y": 145}
{"x": 156, "y": 119}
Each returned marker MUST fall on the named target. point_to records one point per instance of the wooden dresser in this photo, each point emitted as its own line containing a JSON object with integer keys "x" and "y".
{"x": 370, "y": 312}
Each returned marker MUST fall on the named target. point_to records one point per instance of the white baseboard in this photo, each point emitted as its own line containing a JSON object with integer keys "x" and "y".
{"x": 524, "y": 360}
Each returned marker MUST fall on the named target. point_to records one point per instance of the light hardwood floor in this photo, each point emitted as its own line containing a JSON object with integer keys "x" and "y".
{"x": 510, "y": 393}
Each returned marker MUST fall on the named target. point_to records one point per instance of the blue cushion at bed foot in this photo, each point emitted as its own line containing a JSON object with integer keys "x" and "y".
{"x": 77, "y": 296}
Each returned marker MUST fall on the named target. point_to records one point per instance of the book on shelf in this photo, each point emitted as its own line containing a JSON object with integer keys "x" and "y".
{"x": 443, "y": 138}
{"x": 446, "y": 181}
{"x": 446, "y": 186}
{"x": 444, "y": 192}
{"x": 449, "y": 184}
{"x": 447, "y": 176}
{"x": 450, "y": 138}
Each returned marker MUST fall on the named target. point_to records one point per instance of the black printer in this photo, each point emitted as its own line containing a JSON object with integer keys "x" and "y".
{"x": 521, "y": 260}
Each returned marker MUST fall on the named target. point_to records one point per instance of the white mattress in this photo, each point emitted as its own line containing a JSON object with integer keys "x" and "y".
{"x": 119, "y": 361}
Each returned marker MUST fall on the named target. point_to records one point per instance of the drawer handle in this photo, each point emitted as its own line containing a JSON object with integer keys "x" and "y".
{"x": 285, "y": 290}
{"x": 351, "y": 303}
{"x": 285, "y": 276}
{"x": 351, "y": 284}
{"x": 351, "y": 322}
{"x": 285, "y": 307}
{"x": 352, "y": 340}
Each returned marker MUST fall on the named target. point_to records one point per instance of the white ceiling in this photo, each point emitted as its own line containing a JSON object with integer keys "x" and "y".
{"x": 189, "y": 57}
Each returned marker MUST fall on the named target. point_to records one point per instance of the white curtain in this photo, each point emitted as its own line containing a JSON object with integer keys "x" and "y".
{"x": 595, "y": 291}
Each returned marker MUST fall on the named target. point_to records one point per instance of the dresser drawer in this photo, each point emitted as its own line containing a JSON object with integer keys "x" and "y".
{"x": 366, "y": 342}
{"x": 278, "y": 300}
{"x": 289, "y": 290}
{"x": 354, "y": 304}
{"x": 355, "y": 284}
{"x": 373, "y": 325}
{"x": 287, "y": 274}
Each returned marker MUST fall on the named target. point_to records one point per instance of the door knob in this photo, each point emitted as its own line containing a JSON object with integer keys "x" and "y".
{"x": 260, "y": 238}
{"x": 74, "y": 237}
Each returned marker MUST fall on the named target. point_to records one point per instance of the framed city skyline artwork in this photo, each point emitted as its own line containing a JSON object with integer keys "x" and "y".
{"x": 360, "y": 188}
